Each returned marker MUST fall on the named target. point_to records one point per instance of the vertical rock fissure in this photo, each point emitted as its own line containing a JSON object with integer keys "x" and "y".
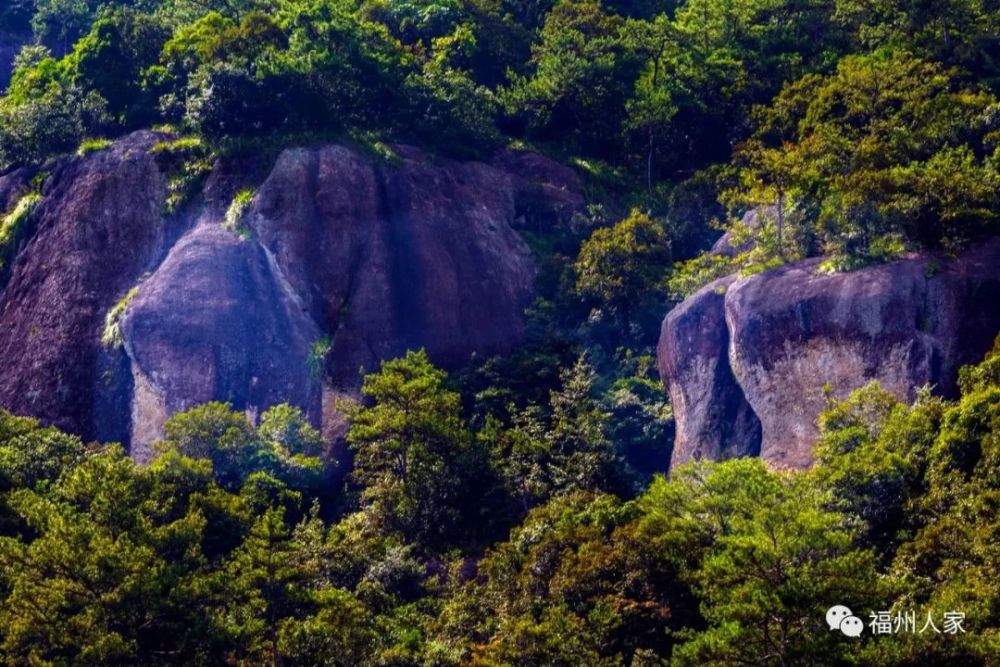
{"x": 404, "y": 274}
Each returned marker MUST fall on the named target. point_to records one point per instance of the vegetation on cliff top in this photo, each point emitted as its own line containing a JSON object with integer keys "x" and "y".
{"x": 873, "y": 125}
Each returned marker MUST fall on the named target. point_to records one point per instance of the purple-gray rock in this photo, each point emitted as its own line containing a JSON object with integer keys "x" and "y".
{"x": 215, "y": 321}
{"x": 337, "y": 252}
{"x": 97, "y": 228}
{"x": 713, "y": 419}
{"x": 796, "y": 333}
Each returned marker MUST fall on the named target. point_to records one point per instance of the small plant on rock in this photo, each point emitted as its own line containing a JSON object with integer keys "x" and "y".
{"x": 111, "y": 337}
{"x": 237, "y": 211}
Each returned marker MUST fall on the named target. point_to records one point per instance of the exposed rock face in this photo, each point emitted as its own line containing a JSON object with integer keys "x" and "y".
{"x": 338, "y": 248}
{"x": 13, "y": 185}
{"x": 98, "y": 227}
{"x": 751, "y": 221}
{"x": 214, "y": 322}
{"x": 794, "y": 330}
{"x": 419, "y": 255}
{"x": 714, "y": 420}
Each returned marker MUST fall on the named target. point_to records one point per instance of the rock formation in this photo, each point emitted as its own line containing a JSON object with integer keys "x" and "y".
{"x": 98, "y": 227}
{"x": 713, "y": 419}
{"x": 747, "y": 361}
{"x": 340, "y": 261}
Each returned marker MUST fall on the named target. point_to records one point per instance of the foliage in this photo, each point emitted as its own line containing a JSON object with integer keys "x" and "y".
{"x": 284, "y": 445}
{"x": 507, "y": 515}
{"x": 316, "y": 361}
{"x": 88, "y": 146}
{"x": 412, "y": 450}
{"x": 205, "y": 556}
{"x": 188, "y": 161}
{"x": 542, "y": 455}
{"x": 53, "y": 123}
{"x": 772, "y": 570}
{"x": 112, "y": 58}
{"x": 887, "y": 150}
{"x": 111, "y": 337}
{"x": 623, "y": 266}
{"x": 581, "y": 77}
{"x": 59, "y": 23}
{"x": 237, "y": 210}
{"x": 14, "y": 228}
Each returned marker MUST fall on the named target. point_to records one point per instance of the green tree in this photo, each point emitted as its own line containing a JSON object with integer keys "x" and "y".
{"x": 765, "y": 558}
{"x": 31, "y": 454}
{"x": 105, "y": 573}
{"x": 955, "y": 32}
{"x": 577, "y": 582}
{"x": 872, "y": 454}
{"x": 623, "y": 266}
{"x": 582, "y": 74}
{"x": 285, "y": 446}
{"x": 54, "y": 122}
{"x": 652, "y": 108}
{"x": 546, "y": 453}
{"x": 886, "y": 154}
{"x": 950, "y": 564}
{"x": 215, "y": 432}
{"x": 111, "y": 58}
{"x": 264, "y": 581}
{"x": 59, "y": 23}
{"x": 410, "y": 448}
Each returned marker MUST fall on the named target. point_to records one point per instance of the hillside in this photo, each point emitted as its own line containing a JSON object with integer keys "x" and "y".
{"x": 492, "y": 332}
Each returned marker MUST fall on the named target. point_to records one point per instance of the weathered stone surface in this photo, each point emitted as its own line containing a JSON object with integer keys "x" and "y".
{"x": 13, "y": 185}
{"x": 714, "y": 421}
{"x": 215, "y": 322}
{"x": 794, "y": 331}
{"x": 378, "y": 257}
{"x": 98, "y": 228}
{"x": 387, "y": 258}
{"x": 751, "y": 221}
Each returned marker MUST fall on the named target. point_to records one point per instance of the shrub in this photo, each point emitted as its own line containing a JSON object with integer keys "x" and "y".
{"x": 237, "y": 210}
{"x": 89, "y": 146}
{"x": 53, "y": 123}
{"x": 14, "y": 227}
{"x": 112, "y": 336}
{"x": 317, "y": 356}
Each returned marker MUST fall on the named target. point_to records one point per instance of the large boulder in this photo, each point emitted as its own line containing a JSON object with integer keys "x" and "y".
{"x": 796, "y": 335}
{"x": 714, "y": 420}
{"x": 341, "y": 260}
{"x": 98, "y": 227}
{"x": 215, "y": 322}
{"x": 386, "y": 258}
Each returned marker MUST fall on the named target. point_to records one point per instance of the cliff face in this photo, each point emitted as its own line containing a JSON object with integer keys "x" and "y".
{"x": 761, "y": 349}
{"x": 339, "y": 261}
{"x": 97, "y": 228}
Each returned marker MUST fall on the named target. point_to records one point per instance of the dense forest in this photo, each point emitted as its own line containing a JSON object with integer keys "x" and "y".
{"x": 518, "y": 510}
